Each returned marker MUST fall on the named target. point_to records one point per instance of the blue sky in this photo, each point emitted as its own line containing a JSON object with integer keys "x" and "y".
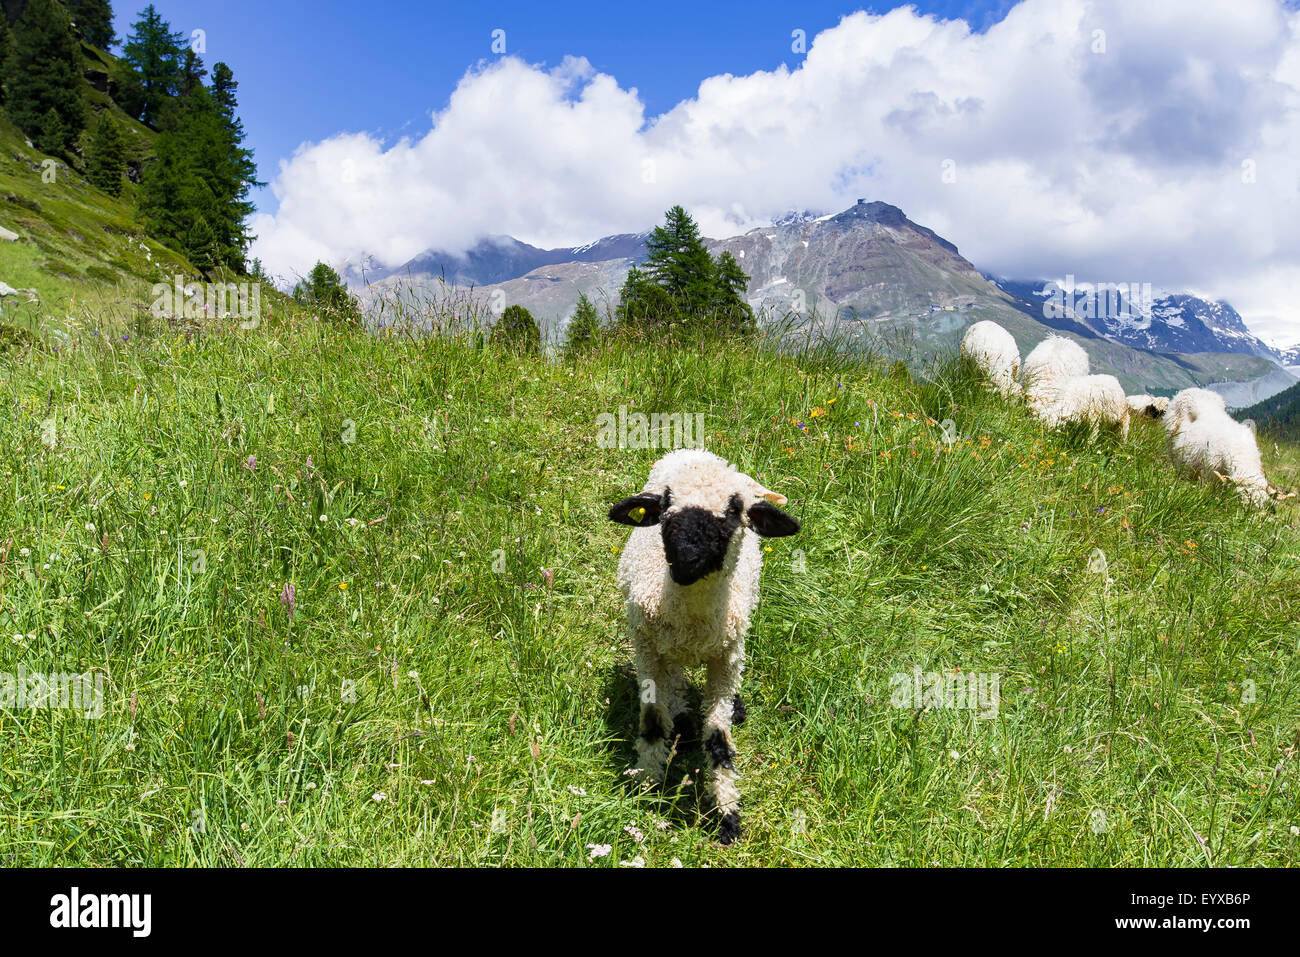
{"x": 309, "y": 70}
{"x": 1111, "y": 140}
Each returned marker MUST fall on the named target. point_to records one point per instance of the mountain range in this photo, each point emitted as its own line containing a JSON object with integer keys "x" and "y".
{"x": 1138, "y": 316}
{"x": 496, "y": 259}
{"x": 887, "y": 281}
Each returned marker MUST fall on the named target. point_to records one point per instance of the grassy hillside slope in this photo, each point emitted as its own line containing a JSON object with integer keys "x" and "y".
{"x": 453, "y": 684}
{"x": 77, "y": 245}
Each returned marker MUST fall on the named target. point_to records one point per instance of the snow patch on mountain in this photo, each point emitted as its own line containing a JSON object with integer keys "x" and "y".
{"x": 1138, "y": 315}
{"x": 795, "y": 217}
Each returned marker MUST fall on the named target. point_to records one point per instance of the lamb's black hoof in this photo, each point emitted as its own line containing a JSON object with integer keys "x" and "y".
{"x": 738, "y": 712}
{"x": 719, "y": 751}
{"x": 651, "y": 727}
{"x": 686, "y": 728}
{"x": 729, "y": 829}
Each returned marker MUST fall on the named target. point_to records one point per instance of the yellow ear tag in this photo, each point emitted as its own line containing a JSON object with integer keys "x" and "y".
{"x": 637, "y": 514}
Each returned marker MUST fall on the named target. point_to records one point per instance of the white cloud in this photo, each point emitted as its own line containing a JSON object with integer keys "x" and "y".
{"x": 1105, "y": 139}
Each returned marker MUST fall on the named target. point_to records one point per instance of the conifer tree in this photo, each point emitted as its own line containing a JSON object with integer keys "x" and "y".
{"x": 223, "y": 90}
{"x": 238, "y": 169}
{"x": 192, "y": 72}
{"x": 323, "y": 290}
{"x": 106, "y": 160}
{"x": 93, "y": 20}
{"x": 151, "y": 68}
{"x": 517, "y": 329}
{"x": 199, "y": 243}
{"x": 4, "y": 52}
{"x": 730, "y": 283}
{"x": 643, "y": 302}
{"x": 681, "y": 282}
{"x": 584, "y": 326}
{"x": 42, "y": 76}
{"x": 173, "y": 195}
{"x": 51, "y": 135}
{"x": 201, "y": 172}
{"x": 678, "y": 263}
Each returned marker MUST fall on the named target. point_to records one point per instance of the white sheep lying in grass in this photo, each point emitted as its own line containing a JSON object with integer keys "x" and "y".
{"x": 1189, "y": 405}
{"x": 1046, "y": 368}
{"x": 995, "y": 354}
{"x": 1206, "y": 442}
{"x": 1092, "y": 400}
{"x": 689, "y": 574}
{"x": 1150, "y": 406}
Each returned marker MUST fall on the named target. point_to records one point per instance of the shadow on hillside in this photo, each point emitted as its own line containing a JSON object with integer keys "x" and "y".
{"x": 682, "y": 796}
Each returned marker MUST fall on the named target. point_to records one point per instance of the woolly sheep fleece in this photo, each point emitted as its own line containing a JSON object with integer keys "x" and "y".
{"x": 1207, "y": 443}
{"x": 1215, "y": 443}
{"x": 1093, "y": 400}
{"x": 674, "y": 626}
{"x": 994, "y": 352}
{"x": 1046, "y": 368}
{"x": 1189, "y": 405}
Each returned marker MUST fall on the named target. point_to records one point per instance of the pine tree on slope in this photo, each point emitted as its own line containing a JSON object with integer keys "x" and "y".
{"x": 150, "y": 71}
{"x": 42, "y": 77}
{"x": 106, "y": 159}
{"x": 93, "y": 20}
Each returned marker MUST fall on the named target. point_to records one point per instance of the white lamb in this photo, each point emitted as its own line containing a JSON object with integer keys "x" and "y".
{"x": 689, "y": 574}
{"x": 1189, "y": 405}
{"x": 995, "y": 354}
{"x": 1047, "y": 366}
{"x": 1150, "y": 406}
{"x": 1092, "y": 400}
{"x": 1214, "y": 445}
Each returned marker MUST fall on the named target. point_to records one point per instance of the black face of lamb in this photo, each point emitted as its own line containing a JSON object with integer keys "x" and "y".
{"x": 696, "y": 540}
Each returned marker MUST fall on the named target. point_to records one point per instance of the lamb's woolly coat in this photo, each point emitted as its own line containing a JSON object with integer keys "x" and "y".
{"x": 689, "y": 624}
{"x": 676, "y": 626}
{"x": 995, "y": 354}
{"x": 1189, "y": 405}
{"x": 1213, "y": 445}
{"x": 1046, "y": 368}
{"x": 1092, "y": 400}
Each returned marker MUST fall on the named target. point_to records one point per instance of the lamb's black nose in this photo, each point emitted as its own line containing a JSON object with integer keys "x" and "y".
{"x": 695, "y": 543}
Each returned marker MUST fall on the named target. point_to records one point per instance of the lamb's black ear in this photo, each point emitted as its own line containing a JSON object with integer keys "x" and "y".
{"x": 639, "y": 510}
{"x": 1154, "y": 411}
{"x": 770, "y": 522}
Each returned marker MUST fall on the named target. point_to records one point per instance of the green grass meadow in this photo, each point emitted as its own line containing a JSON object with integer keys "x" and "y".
{"x": 453, "y": 686}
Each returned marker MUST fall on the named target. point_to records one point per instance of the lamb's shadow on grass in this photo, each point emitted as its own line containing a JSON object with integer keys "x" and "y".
{"x": 681, "y": 798}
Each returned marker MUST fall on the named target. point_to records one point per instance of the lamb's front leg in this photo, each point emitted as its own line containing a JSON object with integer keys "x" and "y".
{"x": 720, "y": 705}
{"x": 658, "y": 687}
